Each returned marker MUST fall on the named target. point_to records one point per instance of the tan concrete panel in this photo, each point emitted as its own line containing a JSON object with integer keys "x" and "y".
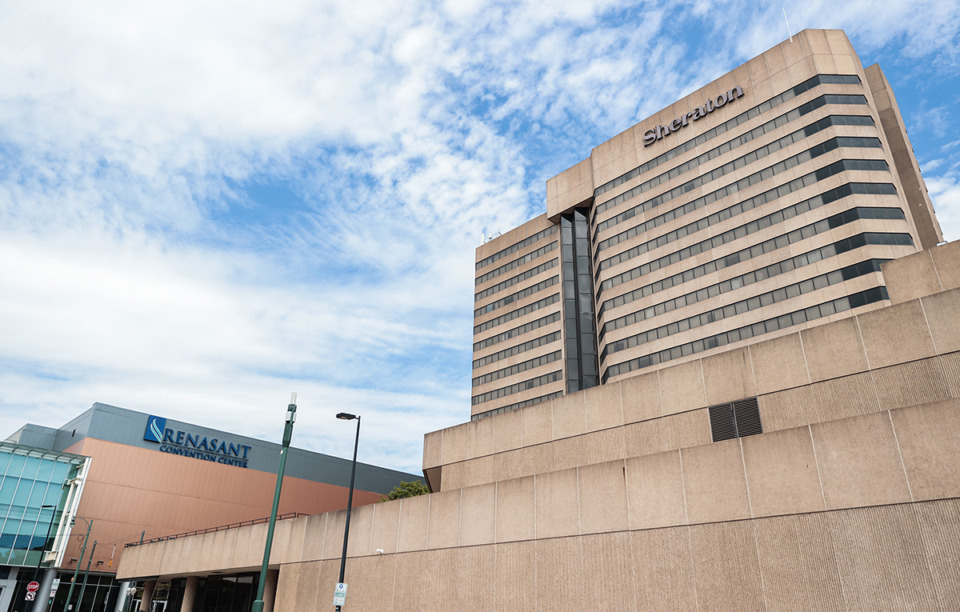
{"x": 911, "y": 277}
{"x": 951, "y": 372}
{"x": 536, "y": 459}
{"x": 559, "y": 575}
{"x": 333, "y": 536}
{"x": 845, "y": 397}
{"x": 602, "y": 446}
{"x": 556, "y": 513}
{"x": 370, "y": 583}
{"x": 454, "y": 444}
{"x": 910, "y": 384}
{"x": 896, "y": 334}
{"x": 432, "y": 444}
{"x": 788, "y": 409}
{"x": 516, "y": 573}
{"x": 940, "y": 532}
{"x": 313, "y": 533}
{"x": 287, "y": 541}
{"x": 480, "y": 471}
{"x": 170, "y": 561}
{"x": 798, "y": 564}
{"x": 386, "y": 525}
{"x": 515, "y": 514}
{"x": 224, "y": 545}
{"x": 567, "y": 453}
{"x": 859, "y": 462}
{"x": 361, "y": 527}
{"x": 537, "y": 423}
{"x": 779, "y": 364}
{"x": 726, "y": 565}
{"x": 833, "y": 350}
{"x": 508, "y": 465}
{"x": 569, "y": 416}
{"x": 943, "y": 313}
{"x": 508, "y": 428}
{"x": 681, "y": 388}
{"x": 947, "y": 259}
{"x": 431, "y": 589}
{"x": 641, "y": 397}
{"x": 603, "y": 406}
{"x": 664, "y": 570}
{"x": 655, "y": 491}
{"x": 443, "y": 527}
{"x": 478, "y": 515}
{"x": 480, "y": 438}
{"x": 454, "y": 476}
{"x": 716, "y": 489}
{"x": 603, "y": 497}
{"x": 414, "y": 513}
{"x": 782, "y": 473}
{"x": 929, "y": 437}
{"x": 728, "y": 376}
{"x": 287, "y": 586}
{"x": 608, "y": 575}
{"x": 415, "y": 573}
{"x": 881, "y": 559}
{"x": 465, "y": 579}
{"x": 667, "y": 433}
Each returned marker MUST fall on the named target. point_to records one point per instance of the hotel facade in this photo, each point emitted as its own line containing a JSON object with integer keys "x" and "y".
{"x": 721, "y": 372}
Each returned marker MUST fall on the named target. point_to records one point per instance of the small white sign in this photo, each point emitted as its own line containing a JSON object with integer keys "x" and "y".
{"x": 54, "y": 587}
{"x": 340, "y": 594}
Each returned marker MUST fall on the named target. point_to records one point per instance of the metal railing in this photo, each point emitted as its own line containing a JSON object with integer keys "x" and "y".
{"x": 266, "y": 519}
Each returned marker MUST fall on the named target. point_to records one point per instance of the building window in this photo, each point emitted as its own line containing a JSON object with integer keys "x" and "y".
{"x": 735, "y": 420}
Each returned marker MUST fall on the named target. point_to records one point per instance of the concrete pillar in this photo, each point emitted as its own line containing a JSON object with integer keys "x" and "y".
{"x": 270, "y": 590}
{"x": 190, "y": 594}
{"x": 46, "y": 583}
{"x": 147, "y": 600}
{"x": 122, "y": 596}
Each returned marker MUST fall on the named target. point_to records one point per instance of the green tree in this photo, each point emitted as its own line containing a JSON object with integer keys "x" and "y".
{"x": 406, "y": 489}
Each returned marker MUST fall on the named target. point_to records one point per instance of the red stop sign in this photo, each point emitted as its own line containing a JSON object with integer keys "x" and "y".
{"x": 33, "y": 587}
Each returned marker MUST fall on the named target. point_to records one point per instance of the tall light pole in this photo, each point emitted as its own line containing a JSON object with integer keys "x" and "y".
{"x": 43, "y": 548}
{"x": 86, "y": 574}
{"x": 345, "y": 416}
{"x": 287, "y": 434}
{"x": 73, "y": 581}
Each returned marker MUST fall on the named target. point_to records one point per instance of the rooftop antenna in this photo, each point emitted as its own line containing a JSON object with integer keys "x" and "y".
{"x": 790, "y": 33}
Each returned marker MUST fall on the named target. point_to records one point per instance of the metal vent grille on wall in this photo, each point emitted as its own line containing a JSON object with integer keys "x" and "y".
{"x": 735, "y": 420}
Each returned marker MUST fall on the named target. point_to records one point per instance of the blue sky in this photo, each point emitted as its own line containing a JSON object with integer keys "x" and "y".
{"x": 207, "y": 205}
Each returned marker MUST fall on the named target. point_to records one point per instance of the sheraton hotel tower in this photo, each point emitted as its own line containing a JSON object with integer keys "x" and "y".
{"x": 757, "y": 206}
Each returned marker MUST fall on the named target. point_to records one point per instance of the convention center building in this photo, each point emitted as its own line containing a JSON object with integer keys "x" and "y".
{"x": 78, "y": 494}
{"x": 720, "y": 372}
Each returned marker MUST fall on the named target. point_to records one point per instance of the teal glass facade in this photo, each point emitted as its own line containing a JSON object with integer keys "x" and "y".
{"x": 31, "y": 479}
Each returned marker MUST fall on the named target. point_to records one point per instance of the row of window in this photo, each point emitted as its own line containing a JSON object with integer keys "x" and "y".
{"x": 516, "y": 263}
{"x": 519, "y": 278}
{"x": 523, "y": 366}
{"x": 529, "y": 345}
{"x": 515, "y": 314}
{"x": 816, "y": 81}
{"x": 825, "y": 198}
{"x": 517, "y": 406}
{"x": 699, "y": 202}
{"x": 533, "y": 383}
{"x": 734, "y": 143}
{"x": 517, "y": 331}
{"x": 834, "y": 277}
{"x": 726, "y": 286}
{"x": 748, "y": 159}
{"x": 519, "y": 295}
{"x": 798, "y": 317}
{"x": 513, "y": 248}
{"x": 705, "y": 245}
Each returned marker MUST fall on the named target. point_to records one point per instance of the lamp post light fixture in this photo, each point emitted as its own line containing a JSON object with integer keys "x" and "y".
{"x": 287, "y": 434}
{"x": 83, "y": 549}
{"x": 43, "y": 548}
{"x": 345, "y": 416}
{"x": 86, "y": 574}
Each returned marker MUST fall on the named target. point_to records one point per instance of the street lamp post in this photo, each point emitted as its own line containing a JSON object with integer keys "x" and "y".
{"x": 83, "y": 549}
{"x": 353, "y": 473}
{"x": 287, "y": 434}
{"x": 86, "y": 574}
{"x": 43, "y": 548}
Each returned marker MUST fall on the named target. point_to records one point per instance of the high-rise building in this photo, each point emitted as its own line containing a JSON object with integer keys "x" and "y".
{"x": 758, "y": 205}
